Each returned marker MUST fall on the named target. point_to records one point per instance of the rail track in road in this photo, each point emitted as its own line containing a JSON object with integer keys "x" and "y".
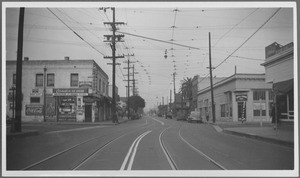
{"x": 172, "y": 161}
{"x": 51, "y": 160}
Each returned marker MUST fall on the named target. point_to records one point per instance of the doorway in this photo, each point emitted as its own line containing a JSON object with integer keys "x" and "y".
{"x": 242, "y": 111}
{"x": 88, "y": 113}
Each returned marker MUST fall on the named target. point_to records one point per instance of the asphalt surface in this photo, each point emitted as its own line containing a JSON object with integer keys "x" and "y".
{"x": 150, "y": 143}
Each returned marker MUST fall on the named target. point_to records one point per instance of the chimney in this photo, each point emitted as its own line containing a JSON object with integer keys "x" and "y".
{"x": 26, "y": 58}
{"x": 67, "y": 58}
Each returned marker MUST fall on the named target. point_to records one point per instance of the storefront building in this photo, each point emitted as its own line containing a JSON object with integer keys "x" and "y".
{"x": 240, "y": 97}
{"x": 70, "y": 90}
{"x": 279, "y": 66}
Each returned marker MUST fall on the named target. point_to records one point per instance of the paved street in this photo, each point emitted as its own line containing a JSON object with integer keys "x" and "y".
{"x": 149, "y": 143}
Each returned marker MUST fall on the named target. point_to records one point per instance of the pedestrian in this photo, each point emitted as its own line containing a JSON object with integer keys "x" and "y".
{"x": 207, "y": 115}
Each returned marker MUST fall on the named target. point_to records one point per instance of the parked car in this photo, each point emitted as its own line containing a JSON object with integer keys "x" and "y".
{"x": 195, "y": 117}
{"x": 168, "y": 115}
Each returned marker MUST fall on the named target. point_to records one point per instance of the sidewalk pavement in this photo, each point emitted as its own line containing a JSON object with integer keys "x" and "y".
{"x": 36, "y": 128}
{"x": 284, "y": 135}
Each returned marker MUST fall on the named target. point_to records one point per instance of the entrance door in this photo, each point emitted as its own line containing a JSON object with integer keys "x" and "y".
{"x": 88, "y": 113}
{"x": 242, "y": 111}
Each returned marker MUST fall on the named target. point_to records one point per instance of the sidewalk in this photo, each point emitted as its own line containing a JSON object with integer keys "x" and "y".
{"x": 36, "y": 128}
{"x": 284, "y": 135}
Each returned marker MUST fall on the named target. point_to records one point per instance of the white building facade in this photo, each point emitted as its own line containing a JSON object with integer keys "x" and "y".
{"x": 69, "y": 90}
{"x": 240, "y": 97}
{"x": 279, "y": 66}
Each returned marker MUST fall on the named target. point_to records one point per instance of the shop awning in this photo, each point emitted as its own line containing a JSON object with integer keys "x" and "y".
{"x": 283, "y": 87}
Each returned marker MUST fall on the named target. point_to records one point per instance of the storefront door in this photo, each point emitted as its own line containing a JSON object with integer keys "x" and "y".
{"x": 88, "y": 113}
{"x": 242, "y": 111}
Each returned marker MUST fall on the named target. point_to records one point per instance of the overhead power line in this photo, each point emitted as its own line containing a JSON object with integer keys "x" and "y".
{"x": 191, "y": 47}
{"x": 75, "y": 32}
{"x": 249, "y": 37}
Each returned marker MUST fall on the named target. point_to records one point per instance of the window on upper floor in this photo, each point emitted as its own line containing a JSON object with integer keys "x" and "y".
{"x": 99, "y": 85}
{"x": 39, "y": 80}
{"x": 50, "y": 80}
{"x": 74, "y": 80}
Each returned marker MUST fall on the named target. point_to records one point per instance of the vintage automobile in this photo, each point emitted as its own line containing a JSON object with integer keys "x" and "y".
{"x": 194, "y": 116}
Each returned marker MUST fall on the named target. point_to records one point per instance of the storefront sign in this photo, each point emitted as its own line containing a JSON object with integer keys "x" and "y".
{"x": 241, "y": 97}
{"x": 70, "y": 91}
{"x": 34, "y": 110}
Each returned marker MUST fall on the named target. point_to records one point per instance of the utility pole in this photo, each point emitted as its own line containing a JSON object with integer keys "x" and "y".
{"x": 16, "y": 126}
{"x": 128, "y": 82}
{"x": 174, "y": 84}
{"x": 133, "y": 80}
{"x": 112, "y": 39}
{"x": 211, "y": 83}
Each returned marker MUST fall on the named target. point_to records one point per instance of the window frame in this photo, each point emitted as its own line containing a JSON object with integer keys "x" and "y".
{"x": 37, "y": 83}
{"x": 50, "y": 74}
{"x": 72, "y": 83}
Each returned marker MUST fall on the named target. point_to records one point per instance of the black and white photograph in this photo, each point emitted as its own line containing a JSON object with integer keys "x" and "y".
{"x": 159, "y": 89}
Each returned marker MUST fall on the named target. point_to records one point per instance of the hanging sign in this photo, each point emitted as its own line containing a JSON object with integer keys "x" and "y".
{"x": 241, "y": 97}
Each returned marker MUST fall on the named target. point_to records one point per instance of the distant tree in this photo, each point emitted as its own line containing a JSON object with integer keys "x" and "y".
{"x": 187, "y": 88}
{"x": 136, "y": 102}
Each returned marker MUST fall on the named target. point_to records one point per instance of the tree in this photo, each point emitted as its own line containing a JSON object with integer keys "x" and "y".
{"x": 136, "y": 102}
{"x": 187, "y": 89}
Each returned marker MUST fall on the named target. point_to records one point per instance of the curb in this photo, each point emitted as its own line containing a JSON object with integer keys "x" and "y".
{"x": 23, "y": 134}
{"x": 27, "y": 133}
{"x": 257, "y": 137}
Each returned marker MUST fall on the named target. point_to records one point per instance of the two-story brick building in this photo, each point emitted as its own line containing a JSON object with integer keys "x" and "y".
{"x": 70, "y": 90}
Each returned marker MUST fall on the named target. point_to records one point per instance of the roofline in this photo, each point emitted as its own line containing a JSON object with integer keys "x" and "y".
{"x": 228, "y": 79}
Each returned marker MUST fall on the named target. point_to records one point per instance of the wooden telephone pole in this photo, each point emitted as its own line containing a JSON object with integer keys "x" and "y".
{"x": 211, "y": 84}
{"x": 16, "y": 123}
{"x": 113, "y": 39}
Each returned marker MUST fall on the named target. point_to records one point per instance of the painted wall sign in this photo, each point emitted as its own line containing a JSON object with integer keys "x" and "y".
{"x": 34, "y": 110}
{"x": 50, "y": 106}
{"x": 88, "y": 99}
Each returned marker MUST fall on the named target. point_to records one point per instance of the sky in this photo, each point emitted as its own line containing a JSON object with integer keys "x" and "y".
{"x": 239, "y": 35}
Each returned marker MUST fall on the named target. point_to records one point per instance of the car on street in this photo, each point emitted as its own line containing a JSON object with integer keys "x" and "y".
{"x": 168, "y": 115}
{"x": 194, "y": 116}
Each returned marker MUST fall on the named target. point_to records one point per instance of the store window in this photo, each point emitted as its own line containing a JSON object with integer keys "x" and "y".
{"x": 50, "y": 80}
{"x": 259, "y": 105}
{"x": 39, "y": 79}
{"x": 74, "y": 80}
{"x": 35, "y": 100}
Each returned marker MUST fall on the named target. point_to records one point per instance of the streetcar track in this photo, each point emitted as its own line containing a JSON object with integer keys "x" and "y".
{"x": 82, "y": 143}
{"x": 200, "y": 152}
{"x": 167, "y": 154}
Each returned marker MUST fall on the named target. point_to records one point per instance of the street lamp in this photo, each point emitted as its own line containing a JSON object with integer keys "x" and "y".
{"x": 44, "y": 93}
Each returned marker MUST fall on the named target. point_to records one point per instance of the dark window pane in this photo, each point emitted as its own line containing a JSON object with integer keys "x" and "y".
{"x": 74, "y": 80}
{"x": 50, "y": 80}
{"x": 35, "y": 100}
{"x": 39, "y": 80}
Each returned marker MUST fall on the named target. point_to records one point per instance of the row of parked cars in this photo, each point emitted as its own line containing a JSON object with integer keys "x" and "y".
{"x": 193, "y": 116}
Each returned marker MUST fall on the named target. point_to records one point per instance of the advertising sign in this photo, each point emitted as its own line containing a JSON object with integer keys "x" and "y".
{"x": 67, "y": 108}
{"x": 34, "y": 110}
{"x": 70, "y": 91}
{"x": 50, "y": 106}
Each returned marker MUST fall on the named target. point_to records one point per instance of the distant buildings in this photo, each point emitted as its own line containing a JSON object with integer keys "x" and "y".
{"x": 72, "y": 90}
{"x": 279, "y": 66}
